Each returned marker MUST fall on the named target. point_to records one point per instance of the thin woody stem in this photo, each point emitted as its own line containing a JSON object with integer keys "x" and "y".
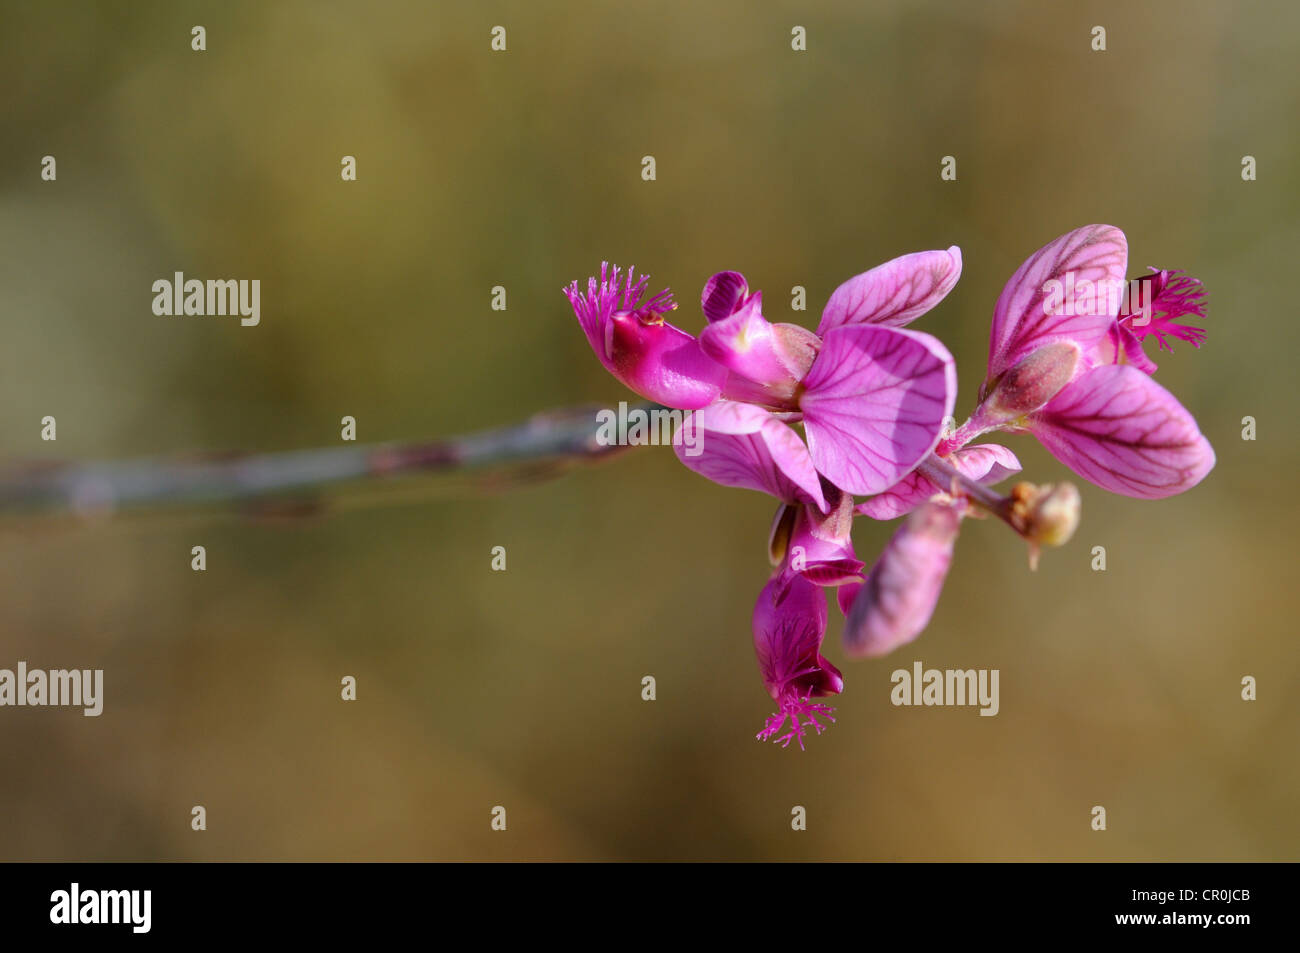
{"x": 1041, "y": 515}
{"x": 547, "y": 444}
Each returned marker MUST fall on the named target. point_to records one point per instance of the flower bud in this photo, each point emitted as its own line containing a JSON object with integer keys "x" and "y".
{"x": 1043, "y": 515}
{"x": 1031, "y": 382}
{"x": 895, "y": 603}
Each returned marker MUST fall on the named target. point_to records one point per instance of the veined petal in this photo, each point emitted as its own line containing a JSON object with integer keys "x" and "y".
{"x": 1070, "y": 288}
{"x": 723, "y": 295}
{"x": 985, "y": 462}
{"x": 894, "y": 293}
{"x": 738, "y": 444}
{"x": 820, "y": 547}
{"x": 988, "y": 463}
{"x": 898, "y": 598}
{"x": 789, "y": 624}
{"x": 874, "y": 404}
{"x": 1116, "y": 427}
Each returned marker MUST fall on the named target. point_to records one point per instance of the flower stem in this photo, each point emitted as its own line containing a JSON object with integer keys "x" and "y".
{"x": 260, "y": 484}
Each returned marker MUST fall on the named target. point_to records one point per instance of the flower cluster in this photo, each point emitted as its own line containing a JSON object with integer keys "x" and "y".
{"x": 854, "y": 419}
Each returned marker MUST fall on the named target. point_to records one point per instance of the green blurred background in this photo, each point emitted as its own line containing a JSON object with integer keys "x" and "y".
{"x": 522, "y": 169}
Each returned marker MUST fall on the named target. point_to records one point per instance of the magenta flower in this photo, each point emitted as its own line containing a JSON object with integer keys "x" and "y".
{"x": 789, "y": 624}
{"x": 1069, "y": 368}
{"x": 1065, "y": 364}
{"x": 810, "y": 546}
{"x": 872, "y": 397}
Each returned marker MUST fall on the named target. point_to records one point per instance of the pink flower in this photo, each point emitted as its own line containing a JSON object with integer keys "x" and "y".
{"x": 789, "y": 624}
{"x": 1065, "y": 364}
{"x": 1072, "y": 372}
{"x": 744, "y": 446}
{"x": 872, "y": 397}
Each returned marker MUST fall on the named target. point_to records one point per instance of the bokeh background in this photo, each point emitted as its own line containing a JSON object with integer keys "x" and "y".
{"x": 522, "y": 688}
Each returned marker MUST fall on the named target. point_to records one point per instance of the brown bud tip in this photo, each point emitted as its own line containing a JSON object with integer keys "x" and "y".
{"x": 1034, "y": 380}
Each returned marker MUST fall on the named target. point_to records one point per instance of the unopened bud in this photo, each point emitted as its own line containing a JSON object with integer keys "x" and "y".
{"x": 1044, "y": 515}
{"x": 901, "y": 591}
{"x": 1032, "y": 382}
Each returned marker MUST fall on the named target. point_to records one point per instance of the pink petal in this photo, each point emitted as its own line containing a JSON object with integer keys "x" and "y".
{"x": 744, "y": 446}
{"x": 661, "y": 363}
{"x": 1122, "y": 346}
{"x": 874, "y": 404}
{"x": 985, "y": 462}
{"x": 789, "y": 624}
{"x": 723, "y": 295}
{"x": 1095, "y": 253}
{"x": 988, "y": 463}
{"x": 846, "y": 594}
{"x": 897, "y": 600}
{"x": 903, "y": 497}
{"x": 820, "y": 547}
{"x": 754, "y": 350}
{"x": 1116, "y": 427}
{"x": 894, "y": 293}
{"x": 627, "y": 331}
